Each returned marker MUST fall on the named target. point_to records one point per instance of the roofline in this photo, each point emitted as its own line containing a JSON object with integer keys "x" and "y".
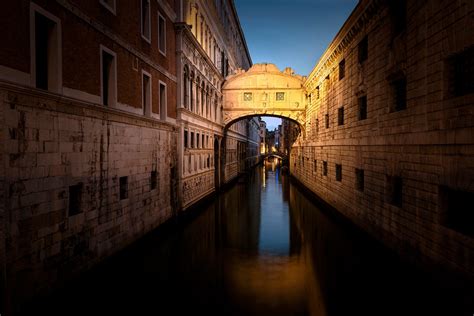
{"x": 234, "y": 10}
{"x": 341, "y": 33}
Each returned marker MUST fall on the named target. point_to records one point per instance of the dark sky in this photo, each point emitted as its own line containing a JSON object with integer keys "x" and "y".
{"x": 291, "y": 33}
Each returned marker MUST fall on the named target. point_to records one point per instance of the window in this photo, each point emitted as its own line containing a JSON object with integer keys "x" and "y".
{"x": 460, "y": 69}
{"x": 108, "y": 77}
{"x": 317, "y": 92}
{"x": 75, "y": 197}
{"x": 363, "y": 50}
{"x": 338, "y": 172}
{"x": 398, "y": 14}
{"x": 202, "y": 141}
{"x": 192, "y": 139}
{"x": 342, "y": 69}
{"x": 46, "y": 50}
{"x": 456, "y": 210}
{"x": 280, "y": 96}
{"x": 146, "y": 93}
{"x": 197, "y": 140}
{"x": 185, "y": 139}
{"x": 362, "y": 103}
{"x": 153, "y": 180}
{"x": 325, "y": 168}
{"x": 315, "y": 166}
{"x": 109, "y": 5}
{"x": 163, "y": 101}
{"x": 394, "y": 190}
{"x": 327, "y": 120}
{"x": 123, "y": 188}
{"x": 327, "y": 83}
{"x": 162, "y": 34}
{"x": 399, "y": 93}
{"x": 145, "y": 20}
{"x": 359, "y": 175}
{"x": 340, "y": 116}
{"x": 317, "y": 126}
{"x": 247, "y": 96}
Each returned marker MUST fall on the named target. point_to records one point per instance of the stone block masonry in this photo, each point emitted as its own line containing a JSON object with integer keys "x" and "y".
{"x": 390, "y": 128}
{"x": 82, "y": 182}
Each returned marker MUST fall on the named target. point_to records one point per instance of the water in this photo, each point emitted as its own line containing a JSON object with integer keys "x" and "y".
{"x": 262, "y": 248}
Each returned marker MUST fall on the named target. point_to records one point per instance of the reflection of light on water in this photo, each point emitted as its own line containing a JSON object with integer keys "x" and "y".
{"x": 263, "y": 176}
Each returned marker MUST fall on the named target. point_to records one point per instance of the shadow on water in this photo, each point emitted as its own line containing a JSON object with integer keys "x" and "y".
{"x": 261, "y": 248}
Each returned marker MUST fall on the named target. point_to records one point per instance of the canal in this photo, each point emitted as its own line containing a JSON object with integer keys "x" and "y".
{"x": 261, "y": 248}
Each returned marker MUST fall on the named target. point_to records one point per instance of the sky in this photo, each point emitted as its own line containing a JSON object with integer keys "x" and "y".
{"x": 291, "y": 33}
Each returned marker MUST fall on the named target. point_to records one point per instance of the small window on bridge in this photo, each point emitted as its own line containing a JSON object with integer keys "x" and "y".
{"x": 325, "y": 168}
{"x": 75, "y": 197}
{"x": 280, "y": 96}
{"x": 338, "y": 172}
{"x": 247, "y": 96}
{"x": 123, "y": 188}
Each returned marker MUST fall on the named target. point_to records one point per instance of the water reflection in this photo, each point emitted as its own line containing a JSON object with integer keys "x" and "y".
{"x": 262, "y": 248}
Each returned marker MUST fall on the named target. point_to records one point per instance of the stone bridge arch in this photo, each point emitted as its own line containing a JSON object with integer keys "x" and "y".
{"x": 264, "y": 90}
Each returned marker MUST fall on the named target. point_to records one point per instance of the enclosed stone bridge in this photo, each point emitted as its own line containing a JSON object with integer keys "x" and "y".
{"x": 264, "y": 90}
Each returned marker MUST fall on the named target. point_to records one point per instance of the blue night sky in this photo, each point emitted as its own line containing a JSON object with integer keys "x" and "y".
{"x": 291, "y": 33}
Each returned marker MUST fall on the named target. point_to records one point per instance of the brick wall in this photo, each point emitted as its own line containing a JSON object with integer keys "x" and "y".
{"x": 427, "y": 143}
{"x": 53, "y": 143}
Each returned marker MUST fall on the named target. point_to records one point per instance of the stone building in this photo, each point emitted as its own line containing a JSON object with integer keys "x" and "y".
{"x": 390, "y": 127}
{"x": 211, "y": 45}
{"x": 111, "y": 123}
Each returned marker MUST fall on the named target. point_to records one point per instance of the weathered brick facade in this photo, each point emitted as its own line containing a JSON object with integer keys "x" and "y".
{"x": 395, "y": 141}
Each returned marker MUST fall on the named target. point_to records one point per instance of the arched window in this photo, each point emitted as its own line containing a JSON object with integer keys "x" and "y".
{"x": 198, "y": 97}
{"x": 191, "y": 90}
{"x": 186, "y": 87}
{"x": 203, "y": 98}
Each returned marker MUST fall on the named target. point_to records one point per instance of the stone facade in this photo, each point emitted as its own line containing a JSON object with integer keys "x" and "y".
{"x": 92, "y": 119}
{"x": 211, "y": 46}
{"x": 390, "y": 127}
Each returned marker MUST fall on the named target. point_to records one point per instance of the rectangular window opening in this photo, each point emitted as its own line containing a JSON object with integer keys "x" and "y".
{"x": 338, "y": 172}
{"x": 146, "y": 94}
{"x": 394, "y": 190}
{"x": 399, "y": 92}
{"x": 342, "y": 69}
{"x": 359, "y": 179}
{"x": 363, "y": 50}
{"x": 153, "y": 180}
{"x": 185, "y": 139}
{"x": 163, "y": 101}
{"x": 123, "y": 188}
{"x": 46, "y": 53}
{"x": 340, "y": 116}
{"x": 108, "y": 78}
{"x": 460, "y": 68}
{"x": 325, "y": 168}
{"x": 162, "y": 34}
{"x": 362, "y": 102}
{"x": 327, "y": 120}
{"x": 456, "y": 210}
{"x": 75, "y": 199}
{"x": 145, "y": 19}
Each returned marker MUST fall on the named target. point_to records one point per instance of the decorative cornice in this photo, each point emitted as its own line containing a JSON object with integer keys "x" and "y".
{"x": 360, "y": 16}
